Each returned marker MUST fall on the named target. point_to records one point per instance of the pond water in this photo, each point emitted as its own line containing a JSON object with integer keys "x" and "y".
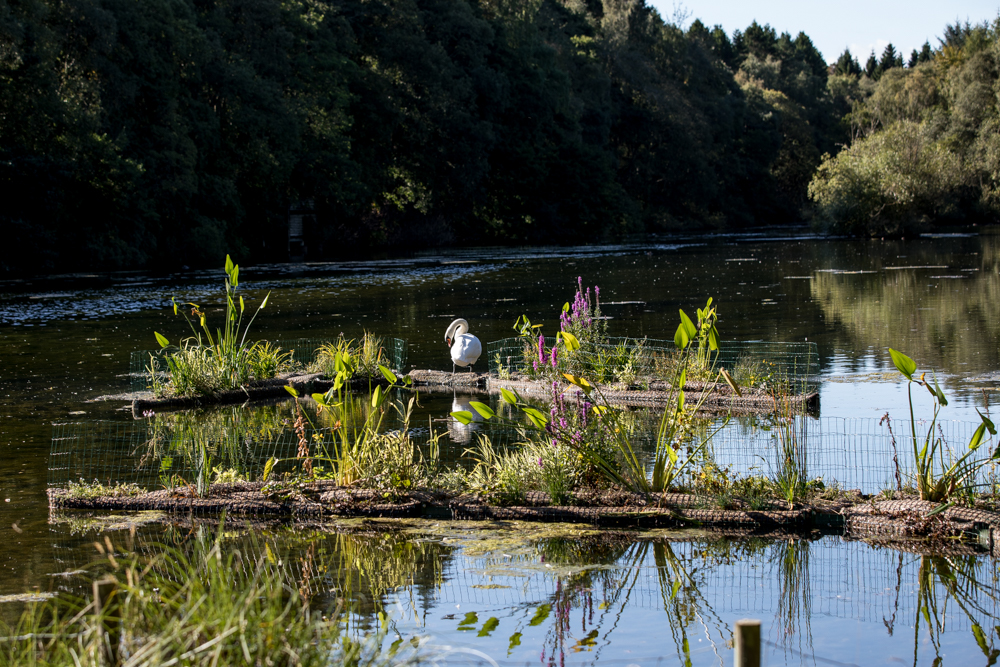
{"x": 66, "y": 341}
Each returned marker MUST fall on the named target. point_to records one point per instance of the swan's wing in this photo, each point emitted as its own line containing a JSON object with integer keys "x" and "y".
{"x": 466, "y": 350}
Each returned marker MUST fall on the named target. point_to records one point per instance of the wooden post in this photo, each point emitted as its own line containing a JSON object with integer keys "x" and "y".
{"x": 746, "y": 641}
{"x": 107, "y": 607}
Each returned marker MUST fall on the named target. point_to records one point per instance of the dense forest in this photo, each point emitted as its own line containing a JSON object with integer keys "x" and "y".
{"x": 166, "y": 132}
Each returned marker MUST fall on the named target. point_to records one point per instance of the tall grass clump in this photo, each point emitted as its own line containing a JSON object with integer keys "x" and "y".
{"x": 209, "y": 608}
{"x": 366, "y": 356}
{"x": 207, "y": 363}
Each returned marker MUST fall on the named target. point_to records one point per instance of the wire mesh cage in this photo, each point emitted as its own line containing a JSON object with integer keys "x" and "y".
{"x": 144, "y": 364}
{"x": 794, "y": 365}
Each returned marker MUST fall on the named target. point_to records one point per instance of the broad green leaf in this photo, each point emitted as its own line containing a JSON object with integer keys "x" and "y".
{"x": 229, "y": 264}
{"x": 508, "y": 396}
{"x": 989, "y": 424}
{"x": 580, "y": 382}
{"x": 536, "y": 417}
{"x": 681, "y": 339}
{"x": 540, "y": 615}
{"x": 708, "y": 303}
{"x": 903, "y": 364}
{"x": 713, "y": 339}
{"x": 482, "y": 409}
{"x": 682, "y": 379}
{"x": 489, "y": 626}
{"x": 377, "y": 394}
{"x": 320, "y": 399}
{"x": 161, "y": 339}
{"x": 387, "y": 374}
{"x": 463, "y": 416}
{"x": 292, "y": 390}
{"x": 236, "y": 275}
{"x": 571, "y": 341}
{"x": 566, "y": 307}
{"x": 242, "y": 305}
{"x": 672, "y": 455}
{"x": 689, "y": 328}
{"x": 730, "y": 381}
{"x": 977, "y": 438}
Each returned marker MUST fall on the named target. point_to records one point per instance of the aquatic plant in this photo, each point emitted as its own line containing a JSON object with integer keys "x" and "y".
{"x": 622, "y": 466}
{"x": 208, "y": 608}
{"x": 790, "y": 478}
{"x": 937, "y": 479}
{"x": 207, "y": 364}
{"x": 357, "y": 449}
{"x": 365, "y": 355}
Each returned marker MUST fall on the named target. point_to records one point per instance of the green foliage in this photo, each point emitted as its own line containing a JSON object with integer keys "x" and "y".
{"x": 364, "y": 357}
{"x": 203, "y": 607}
{"x": 192, "y": 128}
{"x": 95, "y": 489}
{"x": 938, "y": 479}
{"x": 224, "y": 361}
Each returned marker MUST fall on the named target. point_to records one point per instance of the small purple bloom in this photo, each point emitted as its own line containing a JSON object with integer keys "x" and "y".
{"x": 540, "y": 464}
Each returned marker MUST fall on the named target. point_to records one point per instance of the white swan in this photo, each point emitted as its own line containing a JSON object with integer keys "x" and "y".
{"x": 465, "y": 348}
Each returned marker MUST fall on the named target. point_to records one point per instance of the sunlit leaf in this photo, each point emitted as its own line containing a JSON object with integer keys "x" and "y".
{"x": 681, "y": 339}
{"x": 242, "y": 305}
{"x": 292, "y": 390}
{"x": 566, "y": 307}
{"x": 571, "y": 341}
{"x": 938, "y": 393}
{"x": 229, "y": 264}
{"x": 270, "y": 554}
{"x": 377, "y": 394}
{"x": 463, "y": 416}
{"x": 689, "y": 328}
{"x": 989, "y": 424}
{"x": 536, "y": 417}
{"x": 236, "y": 276}
{"x": 903, "y": 364}
{"x": 268, "y": 467}
{"x": 540, "y": 615}
{"x": 320, "y": 399}
{"x": 508, "y": 396}
{"x": 730, "y": 381}
{"x": 713, "y": 339}
{"x": 387, "y": 374}
{"x": 482, "y": 409}
{"x": 580, "y": 382}
{"x": 263, "y": 303}
{"x": 940, "y": 508}
{"x": 161, "y": 339}
{"x": 977, "y": 438}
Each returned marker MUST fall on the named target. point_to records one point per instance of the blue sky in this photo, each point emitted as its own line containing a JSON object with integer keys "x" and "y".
{"x": 833, "y": 26}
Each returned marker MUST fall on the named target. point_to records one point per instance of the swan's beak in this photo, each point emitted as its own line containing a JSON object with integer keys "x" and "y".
{"x": 447, "y": 342}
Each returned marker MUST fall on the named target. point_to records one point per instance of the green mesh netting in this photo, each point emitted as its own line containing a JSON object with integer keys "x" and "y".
{"x": 753, "y": 363}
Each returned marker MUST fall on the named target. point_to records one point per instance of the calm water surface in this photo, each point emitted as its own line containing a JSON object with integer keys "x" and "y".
{"x": 65, "y": 341}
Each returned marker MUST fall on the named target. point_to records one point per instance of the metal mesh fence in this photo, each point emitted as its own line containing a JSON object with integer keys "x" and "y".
{"x": 303, "y": 351}
{"x": 635, "y": 359}
{"x": 851, "y": 453}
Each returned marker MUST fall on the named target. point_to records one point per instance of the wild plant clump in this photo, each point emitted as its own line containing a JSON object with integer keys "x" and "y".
{"x": 366, "y": 356}
{"x": 208, "y": 609}
{"x": 207, "y": 364}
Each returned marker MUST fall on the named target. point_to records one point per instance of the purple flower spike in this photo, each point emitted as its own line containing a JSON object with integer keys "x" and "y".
{"x": 553, "y": 357}
{"x": 541, "y": 349}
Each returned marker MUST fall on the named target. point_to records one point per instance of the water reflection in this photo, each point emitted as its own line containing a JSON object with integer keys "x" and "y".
{"x": 520, "y": 593}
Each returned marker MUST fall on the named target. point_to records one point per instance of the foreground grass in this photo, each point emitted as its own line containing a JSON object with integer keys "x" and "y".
{"x": 206, "y": 609}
